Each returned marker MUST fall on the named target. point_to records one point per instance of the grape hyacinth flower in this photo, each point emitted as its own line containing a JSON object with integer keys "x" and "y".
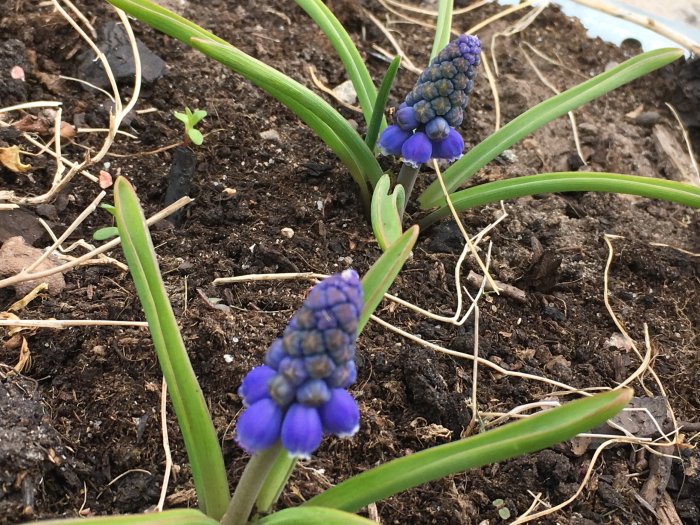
{"x": 300, "y": 391}
{"x": 426, "y": 121}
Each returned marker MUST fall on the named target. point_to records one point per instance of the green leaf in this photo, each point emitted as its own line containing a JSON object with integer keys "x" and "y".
{"x": 197, "y": 116}
{"x": 196, "y": 136}
{"x": 568, "y": 181}
{"x": 348, "y": 53}
{"x": 167, "y": 517}
{"x": 540, "y": 115}
{"x": 514, "y": 439}
{"x": 313, "y": 516}
{"x": 381, "y": 275}
{"x": 328, "y": 124}
{"x": 182, "y": 117}
{"x": 199, "y": 435}
{"x": 443, "y": 29}
{"x": 105, "y": 233}
{"x": 375, "y": 123}
{"x": 386, "y": 212}
{"x": 108, "y": 208}
{"x": 275, "y": 482}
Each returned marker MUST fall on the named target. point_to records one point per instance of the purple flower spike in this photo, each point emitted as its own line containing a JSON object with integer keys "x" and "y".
{"x": 391, "y": 140}
{"x": 259, "y": 426}
{"x": 437, "y": 129}
{"x": 417, "y": 150}
{"x": 255, "y": 384}
{"x": 313, "y": 359}
{"x": 301, "y": 430}
{"x": 340, "y": 415}
{"x": 449, "y": 148}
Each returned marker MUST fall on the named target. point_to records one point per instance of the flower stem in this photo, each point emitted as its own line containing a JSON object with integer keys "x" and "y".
{"x": 249, "y": 486}
{"x": 407, "y": 178}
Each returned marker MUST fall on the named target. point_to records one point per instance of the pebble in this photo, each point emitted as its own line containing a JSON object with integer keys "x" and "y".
{"x": 270, "y": 134}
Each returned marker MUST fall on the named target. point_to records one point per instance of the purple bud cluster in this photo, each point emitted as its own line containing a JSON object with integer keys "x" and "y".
{"x": 300, "y": 391}
{"x": 426, "y": 121}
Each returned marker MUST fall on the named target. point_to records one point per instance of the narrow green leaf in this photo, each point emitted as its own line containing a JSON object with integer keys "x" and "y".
{"x": 105, "y": 233}
{"x": 514, "y": 439}
{"x": 376, "y": 122}
{"x": 328, "y": 124}
{"x": 385, "y": 212}
{"x": 108, "y": 208}
{"x": 313, "y": 516}
{"x": 199, "y": 435}
{"x": 443, "y": 29}
{"x": 167, "y": 517}
{"x": 568, "y": 181}
{"x": 348, "y": 53}
{"x": 381, "y": 275}
{"x": 540, "y": 115}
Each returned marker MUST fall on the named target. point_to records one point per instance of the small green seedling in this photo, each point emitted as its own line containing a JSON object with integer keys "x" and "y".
{"x": 109, "y": 231}
{"x": 503, "y": 511}
{"x": 191, "y": 119}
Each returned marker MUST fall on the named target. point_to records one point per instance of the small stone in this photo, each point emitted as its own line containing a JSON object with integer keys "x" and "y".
{"x": 346, "y": 92}
{"x": 270, "y": 134}
{"x": 287, "y": 232}
{"x": 647, "y": 118}
{"x": 16, "y": 255}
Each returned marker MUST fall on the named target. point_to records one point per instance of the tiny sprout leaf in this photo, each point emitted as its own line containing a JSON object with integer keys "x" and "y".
{"x": 106, "y": 233}
{"x": 504, "y": 513}
{"x": 385, "y": 212}
{"x": 196, "y": 136}
{"x": 198, "y": 115}
{"x": 181, "y": 117}
{"x": 108, "y": 208}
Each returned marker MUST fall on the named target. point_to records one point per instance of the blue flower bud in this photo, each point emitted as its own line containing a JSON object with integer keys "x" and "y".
{"x": 406, "y": 119}
{"x": 343, "y": 376}
{"x": 255, "y": 384}
{"x": 313, "y": 393}
{"x": 259, "y": 426}
{"x": 340, "y": 415}
{"x": 275, "y": 354}
{"x": 449, "y": 148}
{"x": 391, "y": 140}
{"x": 301, "y": 430}
{"x": 417, "y": 150}
{"x": 282, "y": 390}
{"x": 293, "y": 369}
{"x": 319, "y": 366}
{"x": 437, "y": 129}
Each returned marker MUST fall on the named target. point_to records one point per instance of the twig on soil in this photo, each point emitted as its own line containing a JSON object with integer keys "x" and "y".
{"x": 428, "y": 12}
{"x": 67, "y": 323}
{"x": 520, "y": 25}
{"x": 77, "y": 222}
{"x": 25, "y": 276}
{"x": 508, "y": 290}
{"x": 328, "y": 91}
{"x": 494, "y": 91}
{"x": 551, "y": 86}
{"x": 686, "y": 252}
{"x": 166, "y": 445}
{"x": 405, "y": 60}
{"x": 644, "y": 21}
{"x": 501, "y": 14}
{"x": 61, "y": 179}
{"x": 688, "y": 144}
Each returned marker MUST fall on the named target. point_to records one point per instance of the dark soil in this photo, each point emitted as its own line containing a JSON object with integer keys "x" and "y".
{"x": 80, "y": 432}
